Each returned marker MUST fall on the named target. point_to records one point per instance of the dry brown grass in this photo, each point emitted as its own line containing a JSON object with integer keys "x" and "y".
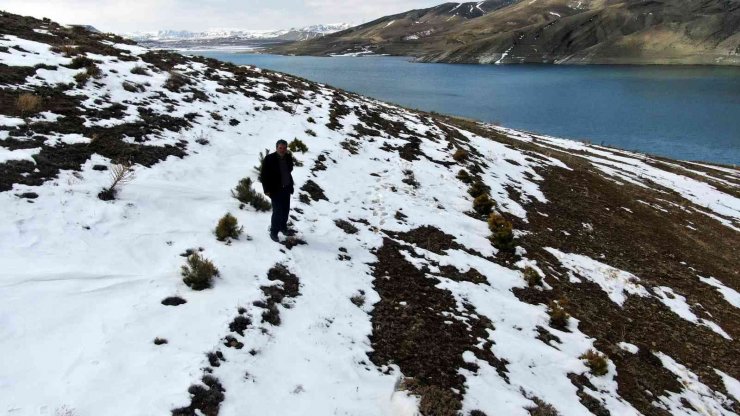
{"x": 28, "y": 103}
{"x": 596, "y": 362}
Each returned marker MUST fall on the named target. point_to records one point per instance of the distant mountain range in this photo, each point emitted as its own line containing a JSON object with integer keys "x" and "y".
{"x": 232, "y": 37}
{"x": 548, "y": 31}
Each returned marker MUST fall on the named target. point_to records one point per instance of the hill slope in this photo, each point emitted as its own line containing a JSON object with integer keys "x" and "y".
{"x": 395, "y": 297}
{"x": 553, "y": 31}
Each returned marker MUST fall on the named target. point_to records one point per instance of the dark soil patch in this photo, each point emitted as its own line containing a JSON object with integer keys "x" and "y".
{"x": 288, "y": 287}
{"x": 206, "y": 399}
{"x": 314, "y": 190}
{"x": 346, "y": 226}
{"x": 215, "y": 358}
{"x": 291, "y": 242}
{"x": 173, "y": 301}
{"x": 415, "y": 335}
{"x": 232, "y": 342}
{"x": 240, "y": 324}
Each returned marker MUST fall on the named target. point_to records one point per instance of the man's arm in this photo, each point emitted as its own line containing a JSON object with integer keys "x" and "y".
{"x": 263, "y": 172}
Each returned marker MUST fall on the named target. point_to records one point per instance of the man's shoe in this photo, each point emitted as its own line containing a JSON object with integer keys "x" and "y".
{"x": 274, "y": 237}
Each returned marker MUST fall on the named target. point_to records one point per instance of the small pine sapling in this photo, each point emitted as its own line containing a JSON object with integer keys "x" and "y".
{"x": 246, "y": 195}
{"x": 596, "y": 362}
{"x": 558, "y": 316}
{"x": 199, "y": 272}
{"x": 532, "y": 277}
{"x": 228, "y": 227}
{"x": 483, "y": 204}
{"x": 502, "y": 232}
{"x": 464, "y": 176}
{"x": 297, "y": 146}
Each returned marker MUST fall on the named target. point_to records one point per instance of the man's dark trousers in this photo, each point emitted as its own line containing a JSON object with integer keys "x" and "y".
{"x": 280, "y": 210}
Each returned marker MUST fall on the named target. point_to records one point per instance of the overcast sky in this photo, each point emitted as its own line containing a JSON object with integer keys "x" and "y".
{"x": 147, "y": 15}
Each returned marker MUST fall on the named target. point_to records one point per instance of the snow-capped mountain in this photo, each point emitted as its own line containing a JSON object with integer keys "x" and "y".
{"x": 440, "y": 266}
{"x": 307, "y": 32}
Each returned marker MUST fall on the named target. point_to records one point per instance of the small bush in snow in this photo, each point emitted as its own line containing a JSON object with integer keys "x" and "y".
{"x": 28, "y": 103}
{"x": 478, "y": 188}
{"x": 246, "y": 195}
{"x": 199, "y": 272}
{"x": 93, "y": 71}
{"x": 532, "y": 277}
{"x": 358, "y": 300}
{"x": 460, "y": 155}
{"x": 311, "y": 120}
{"x": 228, "y": 227}
{"x": 311, "y": 132}
{"x": 596, "y": 362}
{"x": 67, "y": 50}
{"x": 464, "y": 176}
{"x": 502, "y": 232}
{"x": 262, "y": 159}
{"x": 483, "y": 204}
{"x": 297, "y": 146}
{"x": 81, "y": 78}
{"x": 558, "y": 316}
{"x": 542, "y": 408}
{"x": 139, "y": 70}
{"x": 80, "y": 62}
{"x": 175, "y": 82}
{"x": 120, "y": 174}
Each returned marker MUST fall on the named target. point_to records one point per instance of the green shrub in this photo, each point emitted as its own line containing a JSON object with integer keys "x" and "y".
{"x": 558, "y": 316}
{"x": 483, "y": 204}
{"x": 81, "y": 78}
{"x": 228, "y": 227}
{"x": 175, "y": 82}
{"x": 464, "y": 176}
{"x": 79, "y": 62}
{"x": 139, "y": 70}
{"x": 246, "y": 195}
{"x": 199, "y": 272}
{"x": 502, "y": 232}
{"x": 596, "y": 362}
{"x": 460, "y": 154}
{"x": 532, "y": 277}
{"x": 478, "y": 188}
{"x": 297, "y": 146}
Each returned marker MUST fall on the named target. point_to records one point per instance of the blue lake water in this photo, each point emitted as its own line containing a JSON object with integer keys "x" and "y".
{"x": 690, "y": 113}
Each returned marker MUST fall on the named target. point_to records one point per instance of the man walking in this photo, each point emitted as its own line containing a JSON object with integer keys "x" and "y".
{"x": 277, "y": 182}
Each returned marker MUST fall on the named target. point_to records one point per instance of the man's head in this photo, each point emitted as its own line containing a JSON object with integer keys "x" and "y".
{"x": 281, "y": 147}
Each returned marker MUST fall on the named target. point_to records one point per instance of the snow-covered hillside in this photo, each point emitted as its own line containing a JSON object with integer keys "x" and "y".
{"x": 401, "y": 294}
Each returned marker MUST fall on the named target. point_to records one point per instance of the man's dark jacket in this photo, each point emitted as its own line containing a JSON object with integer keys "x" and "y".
{"x": 270, "y": 173}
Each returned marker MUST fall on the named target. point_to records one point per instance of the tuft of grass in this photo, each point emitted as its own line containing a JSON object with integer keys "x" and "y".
{"x": 483, "y": 204}
{"x": 297, "y": 146}
{"x": 311, "y": 132}
{"x": 464, "y": 176}
{"x": 542, "y": 408}
{"x": 28, "y": 103}
{"x": 139, "y": 70}
{"x": 246, "y": 195}
{"x": 502, "y": 235}
{"x": 558, "y": 316}
{"x": 79, "y": 62}
{"x": 81, "y": 78}
{"x": 358, "y": 300}
{"x": 596, "y": 362}
{"x": 228, "y": 227}
{"x": 175, "y": 81}
{"x": 460, "y": 155}
{"x": 532, "y": 277}
{"x": 199, "y": 272}
{"x": 311, "y": 120}
{"x": 437, "y": 401}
